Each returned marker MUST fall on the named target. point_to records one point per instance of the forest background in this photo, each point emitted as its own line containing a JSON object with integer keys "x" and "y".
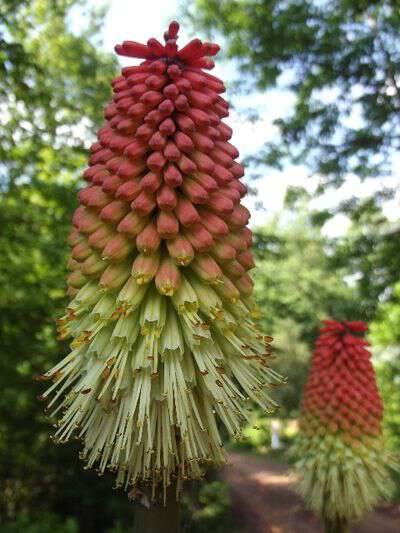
{"x": 331, "y": 250}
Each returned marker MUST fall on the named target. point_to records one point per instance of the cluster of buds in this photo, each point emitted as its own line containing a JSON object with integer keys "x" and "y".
{"x": 161, "y": 312}
{"x": 342, "y": 465}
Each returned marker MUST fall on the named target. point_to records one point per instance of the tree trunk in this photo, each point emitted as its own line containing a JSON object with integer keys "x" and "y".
{"x": 337, "y": 526}
{"x": 159, "y": 518}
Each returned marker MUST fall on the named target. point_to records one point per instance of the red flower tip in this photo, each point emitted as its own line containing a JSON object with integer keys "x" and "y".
{"x": 194, "y": 54}
{"x": 341, "y": 389}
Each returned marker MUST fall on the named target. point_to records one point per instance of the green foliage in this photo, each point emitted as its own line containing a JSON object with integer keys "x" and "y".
{"x": 256, "y": 437}
{"x": 206, "y": 508}
{"x": 297, "y": 284}
{"x": 385, "y": 335}
{"x": 47, "y": 523}
{"x": 370, "y": 254}
{"x": 341, "y": 60}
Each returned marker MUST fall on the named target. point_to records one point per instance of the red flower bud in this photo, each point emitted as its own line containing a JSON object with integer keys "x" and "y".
{"x": 195, "y": 192}
{"x": 185, "y": 123}
{"x": 81, "y": 251}
{"x": 168, "y": 277}
{"x": 204, "y": 180}
{"x": 202, "y": 142}
{"x": 158, "y": 141}
{"x": 166, "y": 198}
{"x": 148, "y": 240}
{"x": 225, "y": 131}
{"x": 203, "y": 162}
{"x": 183, "y": 142}
{"x": 186, "y": 212}
{"x": 171, "y": 91}
{"x": 152, "y": 98}
{"x": 171, "y": 152}
{"x": 86, "y": 221}
{"x": 180, "y": 250}
{"x": 144, "y": 267}
{"x": 233, "y": 269}
{"x": 166, "y": 107}
{"x": 145, "y": 203}
{"x": 186, "y": 165}
{"x": 206, "y": 269}
{"x": 223, "y": 252}
{"x": 132, "y": 224}
{"x": 129, "y": 190}
{"x": 156, "y": 161}
{"x": 112, "y": 184}
{"x": 172, "y": 176}
{"x": 245, "y": 258}
{"x": 145, "y": 132}
{"x": 167, "y": 225}
{"x": 114, "y": 212}
{"x": 118, "y": 248}
{"x": 130, "y": 169}
{"x": 199, "y": 237}
{"x": 94, "y": 197}
{"x": 150, "y": 182}
{"x": 220, "y": 204}
{"x": 213, "y": 223}
{"x": 167, "y": 127}
{"x": 100, "y": 237}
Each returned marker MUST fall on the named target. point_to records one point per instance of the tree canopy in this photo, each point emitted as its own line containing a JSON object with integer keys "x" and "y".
{"x": 341, "y": 61}
{"x": 341, "y": 58}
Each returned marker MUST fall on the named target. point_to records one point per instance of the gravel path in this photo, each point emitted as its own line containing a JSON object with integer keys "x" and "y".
{"x": 264, "y": 501}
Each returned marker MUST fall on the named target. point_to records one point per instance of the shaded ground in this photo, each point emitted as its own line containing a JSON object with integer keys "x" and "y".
{"x": 264, "y": 501}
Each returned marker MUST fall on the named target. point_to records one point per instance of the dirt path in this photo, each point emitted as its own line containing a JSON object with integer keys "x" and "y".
{"x": 264, "y": 501}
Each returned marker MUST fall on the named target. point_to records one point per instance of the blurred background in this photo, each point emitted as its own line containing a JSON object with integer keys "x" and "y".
{"x": 315, "y": 93}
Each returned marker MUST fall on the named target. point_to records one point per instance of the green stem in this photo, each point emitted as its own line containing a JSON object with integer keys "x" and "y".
{"x": 159, "y": 518}
{"x": 339, "y": 525}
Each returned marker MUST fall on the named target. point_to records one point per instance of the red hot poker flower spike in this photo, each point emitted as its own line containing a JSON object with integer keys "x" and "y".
{"x": 161, "y": 312}
{"x": 342, "y": 464}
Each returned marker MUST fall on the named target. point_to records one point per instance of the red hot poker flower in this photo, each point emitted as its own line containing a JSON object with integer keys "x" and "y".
{"x": 341, "y": 464}
{"x": 161, "y": 312}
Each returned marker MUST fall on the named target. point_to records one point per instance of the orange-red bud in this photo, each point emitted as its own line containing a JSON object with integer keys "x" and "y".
{"x": 168, "y": 277}
{"x": 118, "y": 248}
{"x": 114, "y": 211}
{"x": 132, "y": 224}
{"x": 166, "y": 198}
{"x": 144, "y": 267}
{"x": 206, "y": 269}
{"x": 180, "y": 250}
{"x": 199, "y": 237}
{"x": 167, "y": 225}
{"x": 148, "y": 239}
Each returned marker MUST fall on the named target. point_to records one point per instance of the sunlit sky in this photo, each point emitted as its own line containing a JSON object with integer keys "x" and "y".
{"x": 133, "y": 20}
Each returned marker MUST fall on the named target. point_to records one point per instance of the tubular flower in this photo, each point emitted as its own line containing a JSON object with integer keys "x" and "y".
{"x": 342, "y": 465}
{"x": 161, "y": 313}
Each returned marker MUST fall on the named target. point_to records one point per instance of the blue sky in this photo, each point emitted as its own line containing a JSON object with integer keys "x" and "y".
{"x": 133, "y": 20}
